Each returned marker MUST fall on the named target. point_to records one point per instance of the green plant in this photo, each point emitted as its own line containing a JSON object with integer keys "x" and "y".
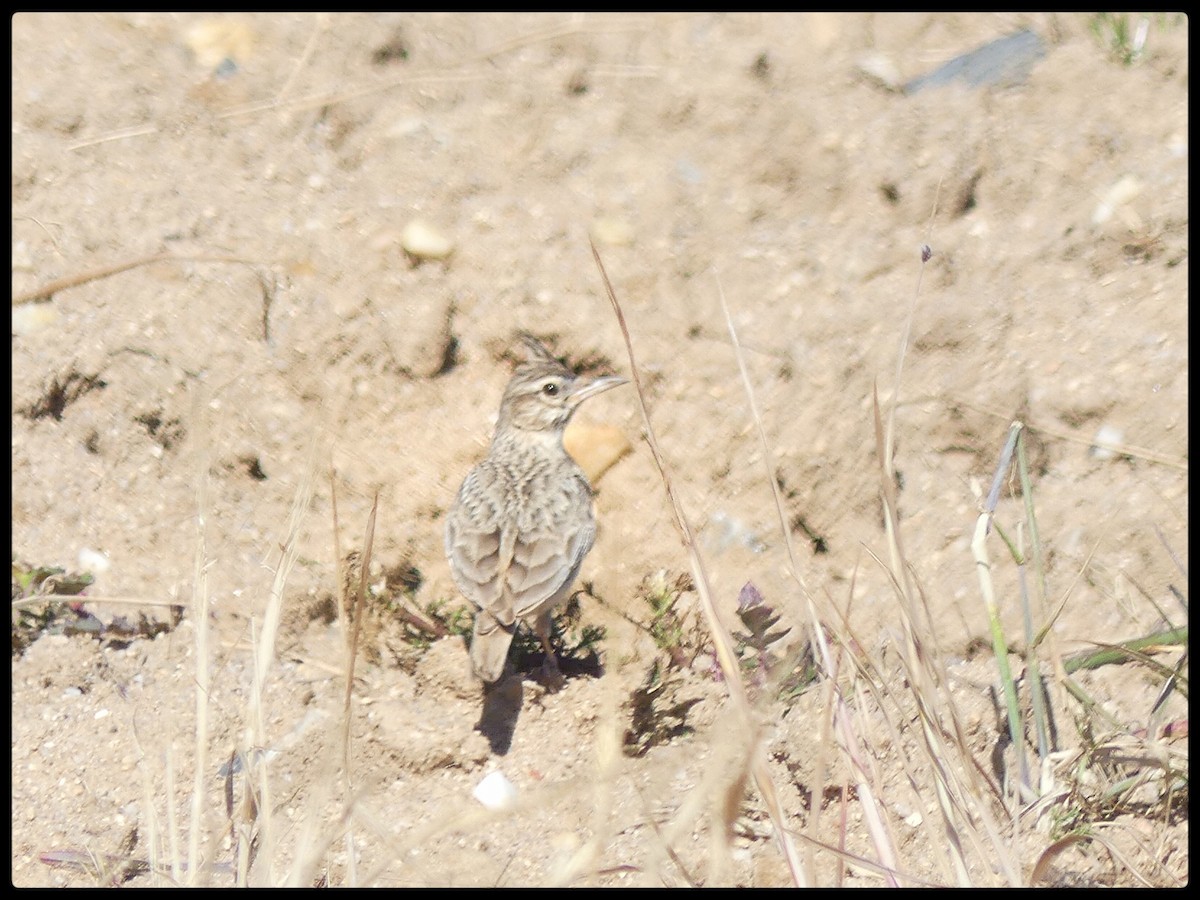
{"x": 1122, "y": 39}
{"x": 39, "y": 606}
{"x": 576, "y": 641}
{"x": 1125, "y": 35}
{"x": 667, "y": 626}
{"x": 762, "y": 664}
{"x": 455, "y": 617}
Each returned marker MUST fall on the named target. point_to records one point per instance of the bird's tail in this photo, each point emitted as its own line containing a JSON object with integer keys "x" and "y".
{"x": 489, "y": 646}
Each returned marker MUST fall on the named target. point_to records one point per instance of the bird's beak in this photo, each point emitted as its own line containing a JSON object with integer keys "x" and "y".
{"x": 583, "y": 390}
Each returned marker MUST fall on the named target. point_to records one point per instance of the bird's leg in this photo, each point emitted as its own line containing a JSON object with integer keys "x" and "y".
{"x": 551, "y": 675}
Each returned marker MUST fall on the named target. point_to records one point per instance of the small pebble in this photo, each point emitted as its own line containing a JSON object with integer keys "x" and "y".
{"x": 31, "y": 317}
{"x": 93, "y": 561}
{"x": 213, "y": 41}
{"x": 1107, "y": 435}
{"x": 422, "y": 241}
{"x": 1116, "y": 197}
{"x": 882, "y": 70}
{"x": 22, "y": 261}
{"x": 495, "y": 791}
{"x": 613, "y": 232}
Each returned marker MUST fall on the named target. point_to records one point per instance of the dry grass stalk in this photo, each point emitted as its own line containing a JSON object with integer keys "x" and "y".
{"x": 90, "y": 598}
{"x": 721, "y": 640}
{"x": 264, "y": 657}
{"x": 150, "y": 823}
{"x": 962, "y": 798}
{"x": 841, "y": 720}
{"x": 352, "y": 631}
{"x": 200, "y": 603}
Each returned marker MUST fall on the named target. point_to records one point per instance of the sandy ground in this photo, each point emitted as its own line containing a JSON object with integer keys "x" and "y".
{"x": 191, "y": 409}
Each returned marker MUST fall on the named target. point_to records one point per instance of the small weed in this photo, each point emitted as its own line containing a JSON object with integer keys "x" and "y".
{"x": 1120, "y": 774}
{"x": 668, "y": 626}
{"x": 33, "y": 616}
{"x": 760, "y": 663}
{"x": 1068, "y": 818}
{"x": 392, "y": 620}
{"x": 579, "y": 641}
{"x": 753, "y": 645}
{"x": 454, "y": 617}
{"x": 1125, "y": 35}
{"x": 576, "y": 642}
{"x": 30, "y": 620}
{"x": 28, "y": 581}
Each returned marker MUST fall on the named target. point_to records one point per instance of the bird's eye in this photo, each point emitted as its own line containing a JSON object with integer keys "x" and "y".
{"x": 550, "y": 389}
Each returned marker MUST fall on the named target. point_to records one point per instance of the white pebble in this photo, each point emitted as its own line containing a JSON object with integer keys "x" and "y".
{"x": 882, "y": 69}
{"x": 93, "y": 561}
{"x": 31, "y": 317}
{"x": 403, "y": 128}
{"x": 1104, "y": 439}
{"x": 1116, "y": 197}
{"x": 424, "y": 241}
{"x": 612, "y": 231}
{"x": 22, "y": 260}
{"x": 495, "y": 791}
{"x": 214, "y": 40}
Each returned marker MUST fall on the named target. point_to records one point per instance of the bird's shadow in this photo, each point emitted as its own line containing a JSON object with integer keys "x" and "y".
{"x": 502, "y": 701}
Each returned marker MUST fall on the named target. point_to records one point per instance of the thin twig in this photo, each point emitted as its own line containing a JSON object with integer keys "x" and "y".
{"x": 1123, "y": 449}
{"x": 41, "y": 225}
{"x": 842, "y": 719}
{"x": 23, "y": 602}
{"x": 120, "y": 135}
{"x": 200, "y": 627}
{"x": 48, "y": 290}
{"x": 722, "y": 642}
{"x": 321, "y": 24}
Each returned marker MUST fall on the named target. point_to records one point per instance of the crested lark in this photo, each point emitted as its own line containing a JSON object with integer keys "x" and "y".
{"x": 522, "y": 521}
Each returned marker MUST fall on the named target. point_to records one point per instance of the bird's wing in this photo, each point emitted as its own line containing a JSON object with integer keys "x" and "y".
{"x": 547, "y": 556}
{"x": 478, "y": 547}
